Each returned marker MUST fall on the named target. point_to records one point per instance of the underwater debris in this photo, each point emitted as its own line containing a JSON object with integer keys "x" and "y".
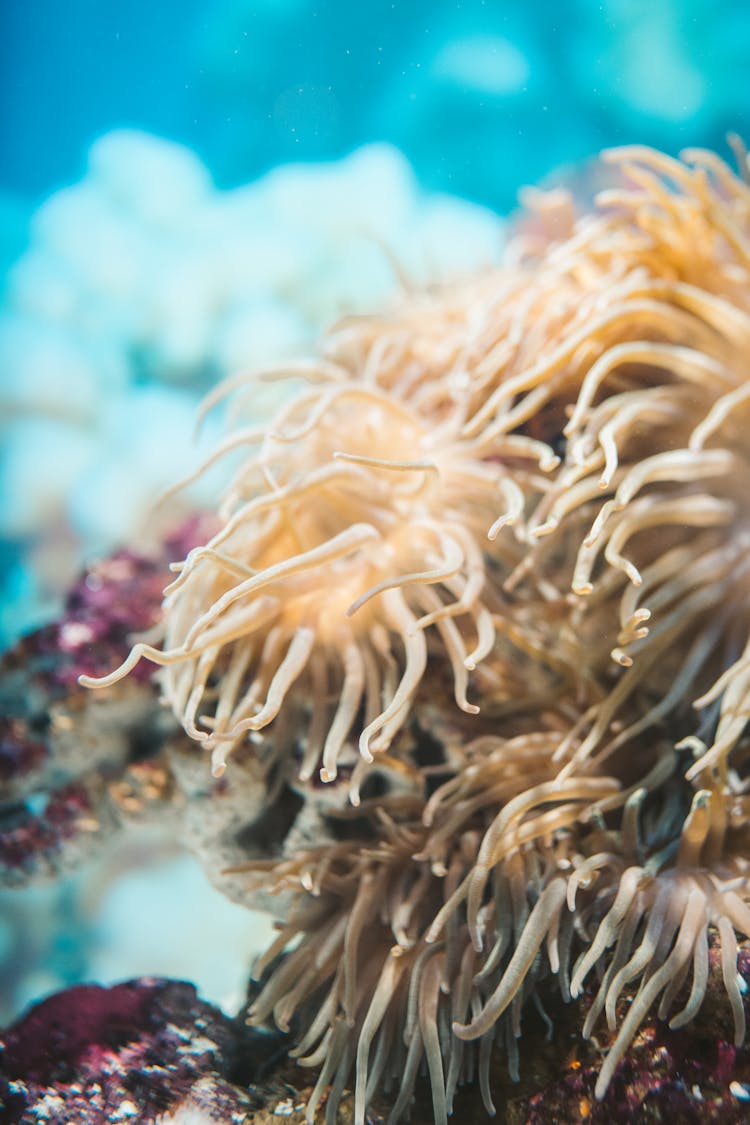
{"x": 529, "y": 493}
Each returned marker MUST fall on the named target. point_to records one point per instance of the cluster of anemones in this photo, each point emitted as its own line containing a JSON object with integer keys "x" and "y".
{"x": 529, "y": 490}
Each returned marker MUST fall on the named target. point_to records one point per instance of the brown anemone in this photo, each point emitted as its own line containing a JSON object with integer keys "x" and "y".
{"x": 539, "y": 476}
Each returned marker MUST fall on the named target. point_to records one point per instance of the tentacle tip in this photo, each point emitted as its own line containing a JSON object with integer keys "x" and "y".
{"x": 600, "y": 1089}
{"x": 543, "y": 529}
{"x": 583, "y": 589}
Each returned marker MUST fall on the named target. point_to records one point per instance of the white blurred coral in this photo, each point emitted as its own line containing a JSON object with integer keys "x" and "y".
{"x": 143, "y": 284}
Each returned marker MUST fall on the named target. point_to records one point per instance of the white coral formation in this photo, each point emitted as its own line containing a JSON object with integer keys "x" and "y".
{"x": 144, "y": 283}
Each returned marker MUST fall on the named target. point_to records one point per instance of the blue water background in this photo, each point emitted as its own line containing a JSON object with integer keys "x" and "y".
{"x": 479, "y": 95}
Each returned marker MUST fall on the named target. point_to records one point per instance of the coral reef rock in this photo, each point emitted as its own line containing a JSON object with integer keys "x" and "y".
{"x": 142, "y": 1051}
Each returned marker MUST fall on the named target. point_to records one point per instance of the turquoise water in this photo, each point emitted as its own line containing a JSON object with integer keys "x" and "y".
{"x": 478, "y": 95}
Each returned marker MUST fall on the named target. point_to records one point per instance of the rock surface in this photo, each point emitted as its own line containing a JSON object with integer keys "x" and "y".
{"x": 74, "y": 763}
{"x": 134, "y": 1052}
{"x": 150, "y": 1051}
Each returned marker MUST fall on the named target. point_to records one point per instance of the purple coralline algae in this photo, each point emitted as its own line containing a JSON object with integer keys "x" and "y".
{"x": 136, "y": 1052}
{"x": 61, "y": 749}
{"x": 688, "y": 1076}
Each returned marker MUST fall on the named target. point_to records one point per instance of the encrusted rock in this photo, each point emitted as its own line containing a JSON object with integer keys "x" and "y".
{"x": 74, "y": 763}
{"x": 132, "y": 1053}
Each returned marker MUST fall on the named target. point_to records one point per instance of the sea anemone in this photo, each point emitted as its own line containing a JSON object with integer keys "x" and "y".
{"x": 538, "y": 476}
{"x": 354, "y": 529}
{"x": 426, "y": 912}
